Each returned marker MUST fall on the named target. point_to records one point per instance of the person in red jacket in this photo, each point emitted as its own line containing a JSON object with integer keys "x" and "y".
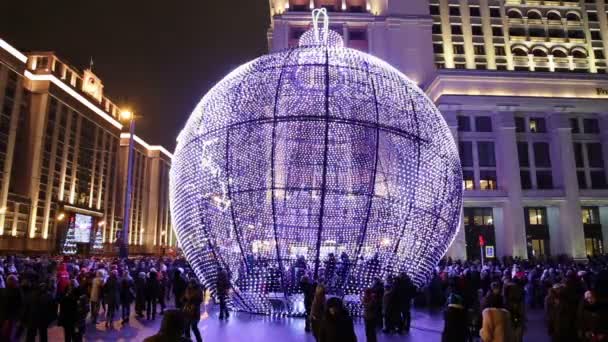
{"x": 63, "y": 280}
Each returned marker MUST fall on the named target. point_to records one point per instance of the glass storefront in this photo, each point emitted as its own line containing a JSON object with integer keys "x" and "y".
{"x": 479, "y": 222}
{"x": 593, "y": 230}
{"x": 537, "y": 232}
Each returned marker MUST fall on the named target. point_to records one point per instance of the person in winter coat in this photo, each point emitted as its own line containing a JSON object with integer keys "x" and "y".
{"x": 73, "y": 310}
{"x": 514, "y": 299}
{"x": 557, "y": 313}
{"x": 171, "y": 328}
{"x": 152, "y": 293}
{"x": 337, "y": 325}
{"x": 96, "y": 294}
{"x": 390, "y": 306}
{"x": 316, "y": 310}
{"x": 308, "y": 289}
{"x": 496, "y": 322}
{"x": 492, "y": 295}
{"x": 370, "y": 314}
{"x": 406, "y": 291}
{"x": 140, "y": 294}
{"x": 111, "y": 295}
{"x": 223, "y": 287}
{"x": 163, "y": 282}
{"x": 378, "y": 289}
{"x": 63, "y": 280}
{"x": 455, "y": 321}
{"x": 40, "y": 311}
{"x": 127, "y": 295}
{"x": 593, "y": 319}
{"x": 11, "y": 303}
{"x": 193, "y": 297}
{"x": 179, "y": 286}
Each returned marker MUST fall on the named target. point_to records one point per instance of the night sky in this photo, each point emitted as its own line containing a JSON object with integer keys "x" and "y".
{"x": 160, "y": 57}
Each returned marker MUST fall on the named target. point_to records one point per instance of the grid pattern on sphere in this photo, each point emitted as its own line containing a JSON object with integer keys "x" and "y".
{"x": 317, "y": 160}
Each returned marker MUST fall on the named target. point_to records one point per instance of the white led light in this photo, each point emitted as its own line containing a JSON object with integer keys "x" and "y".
{"x": 318, "y": 160}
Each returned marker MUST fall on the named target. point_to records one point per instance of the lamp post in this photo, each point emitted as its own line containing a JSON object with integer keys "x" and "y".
{"x": 124, "y": 244}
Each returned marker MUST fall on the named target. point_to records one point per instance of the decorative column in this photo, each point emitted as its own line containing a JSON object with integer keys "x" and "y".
{"x": 513, "y": 234}
{"x": 570, "y": 234}
{"x": 457, "y": 250}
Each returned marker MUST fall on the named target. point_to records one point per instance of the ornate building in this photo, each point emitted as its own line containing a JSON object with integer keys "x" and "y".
{"x": 61, "y": 154}
{"x": 523, "y": 86}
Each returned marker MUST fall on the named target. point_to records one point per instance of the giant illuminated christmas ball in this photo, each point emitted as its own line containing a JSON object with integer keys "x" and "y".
{"x": 321, "y": 161}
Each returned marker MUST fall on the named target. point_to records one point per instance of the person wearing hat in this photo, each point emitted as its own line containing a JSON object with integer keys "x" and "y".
{"x": 455, "y": 320}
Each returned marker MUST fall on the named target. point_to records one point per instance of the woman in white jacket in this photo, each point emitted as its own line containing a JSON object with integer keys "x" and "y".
{"x": 496, "y": 324}
{"x": 96, "y": 288}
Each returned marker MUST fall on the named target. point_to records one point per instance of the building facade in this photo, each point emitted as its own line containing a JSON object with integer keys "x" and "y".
{"x": 523, "y": 86}
{"x": 61, "y": 152}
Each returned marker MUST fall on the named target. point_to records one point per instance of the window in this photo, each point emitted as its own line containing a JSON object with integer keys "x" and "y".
{"x": 592, "y": 16}
{"x": 520, "y": 124}
{"x": 513, "y": 14}
{"x": 497, "y": 31}
{"x": 479, "y": 49}
{"x": 455, "y": 11}
{"x": 554, "y": 16}
{"x": 578, "y": 154}
{"x": 499, "y": 51}
{"x": 494, "y": 12}
{"x": 594, "y": 154}
{"x": 590, "y": 215}
{"x": 556, "y": 33}
{"x": 591, "y": 126}
{"x": 559, "y": 53}
{"x": 541, "y": 154}
{"x": 456, "y": 29}
{"x": 466, "y": 153}
{"x": 536, "y": 216}
{"x": 438, "y": 48}
{"x": 522, "y": 153}
{"x": 533, "y": 15}
{"x": 468, "y": 180}
{"x": 574, "y": 125}
{"x": 537, "y": 32}
{"x": 474, "y": 12}
{"x": 582, "y": 179}
{"x": 598, "y": 179}
{"x": 524, "y": 176}
{"x": 544, "y": 180}
{"x": 517, "y": 31}
{"x": 596, "y": 35}
{"x": 436, "y": 29}
{"x": 464, "y": 123}
{"x": 572, "y": 16}
{"x": 485, "y": 150}
{"x": 481, "y": 216}
{"x": 458, "y": 49}
{"x": 483, "y": 124}
{"x": 576, "y": 35}
{"x": 599, "y": 54}
{"x": 487, "y": 180}
{"x": 537, "y": 125}
{"x": 477, "y": 30}
{"x": 434, "y": 9}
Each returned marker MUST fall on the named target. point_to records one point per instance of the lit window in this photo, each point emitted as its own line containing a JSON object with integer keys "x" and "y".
{"x": 536, "y": 216}
{"x": 487, "y": 180}
{"x": 590, "y": 215}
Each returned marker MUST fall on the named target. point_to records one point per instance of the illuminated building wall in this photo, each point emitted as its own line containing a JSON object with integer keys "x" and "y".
{"x": 60, "y": 140}
{"x": 522, "y": 85}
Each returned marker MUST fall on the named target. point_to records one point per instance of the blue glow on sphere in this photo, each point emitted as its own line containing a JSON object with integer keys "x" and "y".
{"x": 319, "y": 160}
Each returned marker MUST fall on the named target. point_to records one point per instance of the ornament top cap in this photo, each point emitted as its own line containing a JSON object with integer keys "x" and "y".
{"x": 321, "y": 36}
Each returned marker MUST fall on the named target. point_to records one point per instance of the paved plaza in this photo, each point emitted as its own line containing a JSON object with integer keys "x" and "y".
{"x": 426, "y": 326}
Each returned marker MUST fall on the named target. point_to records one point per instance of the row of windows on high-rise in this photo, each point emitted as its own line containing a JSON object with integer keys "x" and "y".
{"x": 478, "y": 160}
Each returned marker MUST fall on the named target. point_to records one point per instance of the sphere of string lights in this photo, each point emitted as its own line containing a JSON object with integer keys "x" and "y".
{"x": 318, "y": 161}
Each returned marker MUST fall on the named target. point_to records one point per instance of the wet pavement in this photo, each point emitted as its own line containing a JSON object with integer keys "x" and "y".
{"x": 426, "y": 326}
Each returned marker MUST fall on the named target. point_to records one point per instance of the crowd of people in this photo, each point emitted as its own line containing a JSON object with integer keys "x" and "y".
{"x": 488, "y": 302}
{"x": 76, "y": 292}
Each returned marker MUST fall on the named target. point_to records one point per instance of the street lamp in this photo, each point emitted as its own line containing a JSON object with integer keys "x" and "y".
{"x": 127, "y": 115}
